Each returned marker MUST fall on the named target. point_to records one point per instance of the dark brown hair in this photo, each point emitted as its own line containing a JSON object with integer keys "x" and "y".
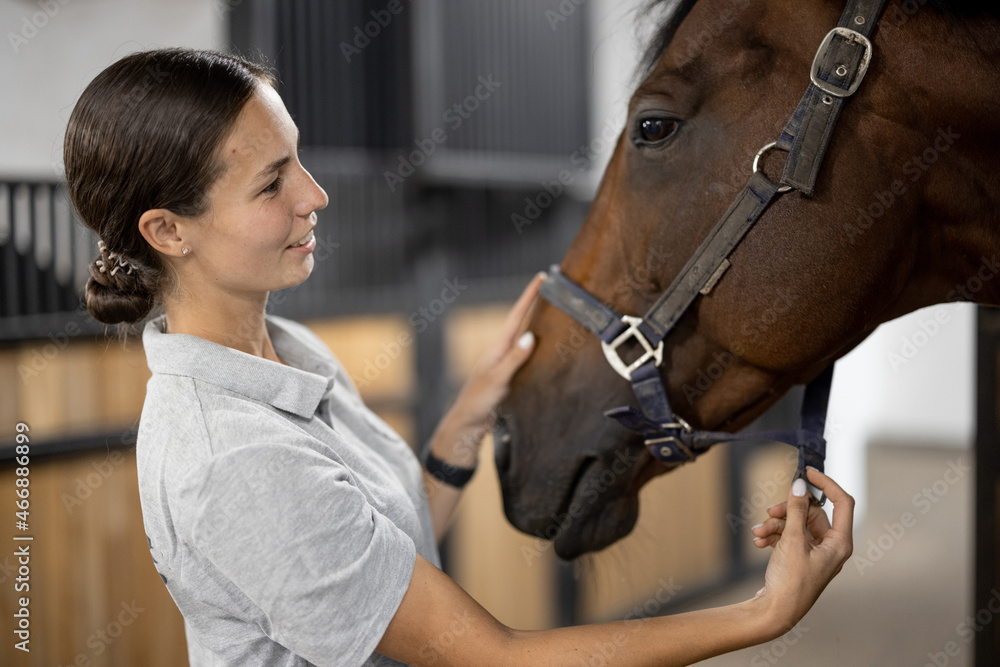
{"x": 146, "y": 134}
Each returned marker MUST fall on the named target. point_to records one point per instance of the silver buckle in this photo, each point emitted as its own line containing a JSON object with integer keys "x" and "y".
{"x": 850, "y": 35}
{"x": 611, "y": 349}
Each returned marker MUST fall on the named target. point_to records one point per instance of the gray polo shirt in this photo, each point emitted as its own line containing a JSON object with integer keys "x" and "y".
{"x": 281, "y": 513}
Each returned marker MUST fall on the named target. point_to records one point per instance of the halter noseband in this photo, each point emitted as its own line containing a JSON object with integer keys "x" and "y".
{"x": 837, "y": 70}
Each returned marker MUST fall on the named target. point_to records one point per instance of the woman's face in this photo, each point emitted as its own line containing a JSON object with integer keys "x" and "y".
{"x": 257, "y": 235}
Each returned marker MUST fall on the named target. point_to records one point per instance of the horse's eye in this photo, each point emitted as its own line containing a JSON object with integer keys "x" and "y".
{"x": 655, "y": 130}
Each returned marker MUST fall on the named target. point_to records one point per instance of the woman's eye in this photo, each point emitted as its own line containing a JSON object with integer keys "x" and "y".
{"x": 273, "y": 187}
{"x": 655, "y": 130}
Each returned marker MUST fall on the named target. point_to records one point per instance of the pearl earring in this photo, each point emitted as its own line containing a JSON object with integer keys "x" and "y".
{"x": 184, "y": 251}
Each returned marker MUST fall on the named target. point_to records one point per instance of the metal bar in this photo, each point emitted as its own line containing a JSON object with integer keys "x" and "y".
{"x": 987, "y": 573}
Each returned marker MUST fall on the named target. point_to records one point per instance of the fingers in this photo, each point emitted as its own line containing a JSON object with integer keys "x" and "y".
{"x": 818, "y": 523}
{"x": 843, "y": 503}
{"x": 515, "y": 358}
{"x": 768, "y": 533}
{"x": 764, "y": 542}
{"x": 797, "y": 511}
{"x": 515, "y": 318}
{"x": 772, "y": 526}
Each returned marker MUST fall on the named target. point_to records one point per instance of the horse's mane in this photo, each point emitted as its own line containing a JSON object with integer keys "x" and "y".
{"x": 674, "y": 12}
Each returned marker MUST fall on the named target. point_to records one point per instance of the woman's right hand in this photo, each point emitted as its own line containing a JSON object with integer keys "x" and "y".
{"x": 808, "y": 551}
{"x": 437, "y": 623}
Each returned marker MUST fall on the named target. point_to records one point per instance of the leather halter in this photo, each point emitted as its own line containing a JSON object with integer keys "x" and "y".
{"x": 837, "y": 70}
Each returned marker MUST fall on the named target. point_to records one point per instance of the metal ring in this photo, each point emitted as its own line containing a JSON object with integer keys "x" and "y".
{"x": 756, "y": 161}
{"x": 680, "y": 423}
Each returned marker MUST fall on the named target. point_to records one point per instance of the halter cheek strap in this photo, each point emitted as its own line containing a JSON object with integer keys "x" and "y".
{"x": 839, "y": 66}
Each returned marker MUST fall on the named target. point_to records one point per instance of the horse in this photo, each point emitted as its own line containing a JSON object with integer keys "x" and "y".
{"x": 903, "y": 215}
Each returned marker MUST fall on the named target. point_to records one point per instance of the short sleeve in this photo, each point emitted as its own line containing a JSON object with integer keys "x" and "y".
{"x": 288, "y": 526}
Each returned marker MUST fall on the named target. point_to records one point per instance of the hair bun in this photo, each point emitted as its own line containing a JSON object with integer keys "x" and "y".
{"x": 117, "y": 292}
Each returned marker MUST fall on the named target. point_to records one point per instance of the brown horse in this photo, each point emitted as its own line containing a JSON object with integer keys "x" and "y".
{"x": 904, "y": 215}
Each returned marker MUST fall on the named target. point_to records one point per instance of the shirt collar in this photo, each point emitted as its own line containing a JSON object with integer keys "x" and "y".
{"x": 297, "y": 388}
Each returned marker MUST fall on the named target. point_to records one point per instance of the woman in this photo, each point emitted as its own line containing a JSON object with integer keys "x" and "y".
{"x": 290, "y": 525}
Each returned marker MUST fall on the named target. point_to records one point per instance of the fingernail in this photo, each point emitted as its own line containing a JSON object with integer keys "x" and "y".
{"x": 756, "y": 527}
{"x": 542, "y": 274}
{"x": 812, "y": 468}
{"x": 799, "y": 487}
{"x": 526, "y": 340}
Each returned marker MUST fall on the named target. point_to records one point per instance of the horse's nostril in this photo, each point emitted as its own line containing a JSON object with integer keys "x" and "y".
{"x": 501, "y": 445}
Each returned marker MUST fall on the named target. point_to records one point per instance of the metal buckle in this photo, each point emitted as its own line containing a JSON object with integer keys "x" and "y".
{"x": 611, "y": 350}
{"x": 665, "y": 451}
{"x": 812, "y": 490}
{"x": 852, "y": 36}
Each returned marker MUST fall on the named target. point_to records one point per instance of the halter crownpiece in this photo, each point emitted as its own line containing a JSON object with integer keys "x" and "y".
{"x": 837, "y": 70}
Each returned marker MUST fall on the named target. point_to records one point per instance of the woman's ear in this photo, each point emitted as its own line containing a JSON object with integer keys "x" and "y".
{"x": 163, "y": 230}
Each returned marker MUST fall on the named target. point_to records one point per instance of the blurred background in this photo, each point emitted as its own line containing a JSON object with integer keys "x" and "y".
{"x": 440, "y": 130}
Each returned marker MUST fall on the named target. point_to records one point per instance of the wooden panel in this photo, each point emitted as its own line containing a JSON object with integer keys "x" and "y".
{"x": 95, "y": 597}
{"x": 766, "y": 481}
{"x": 469, "y": 332}
{"x": 377, "y": 352}
{"x": 10, "y": 394}
{"x": 122, "y": 375}
{"x": 679, "y": 541}
{"x": 503, "y": 569}
{"x": 83, "y": 387}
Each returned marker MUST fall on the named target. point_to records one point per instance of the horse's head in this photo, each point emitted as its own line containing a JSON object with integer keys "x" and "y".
{"x": 811, "y": 279}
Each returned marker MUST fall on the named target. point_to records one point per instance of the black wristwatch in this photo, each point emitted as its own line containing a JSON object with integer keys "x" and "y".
{"x": 446, "y": 472}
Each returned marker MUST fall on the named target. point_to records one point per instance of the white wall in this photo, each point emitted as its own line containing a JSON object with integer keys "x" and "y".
{"x": 927, "y": 399}
{"x": 51, "y": 49}
{"x": 912, "y": 382}
{"x": 616, "y": 53}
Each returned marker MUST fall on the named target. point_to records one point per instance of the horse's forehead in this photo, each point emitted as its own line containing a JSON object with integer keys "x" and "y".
{"x": 712, "y": 31}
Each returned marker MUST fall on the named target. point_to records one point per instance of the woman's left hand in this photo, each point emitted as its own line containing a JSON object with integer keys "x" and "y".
{"x": 474, "y": 410}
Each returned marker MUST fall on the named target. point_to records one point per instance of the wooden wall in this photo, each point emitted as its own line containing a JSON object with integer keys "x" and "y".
{"x": 91, "y": 565}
